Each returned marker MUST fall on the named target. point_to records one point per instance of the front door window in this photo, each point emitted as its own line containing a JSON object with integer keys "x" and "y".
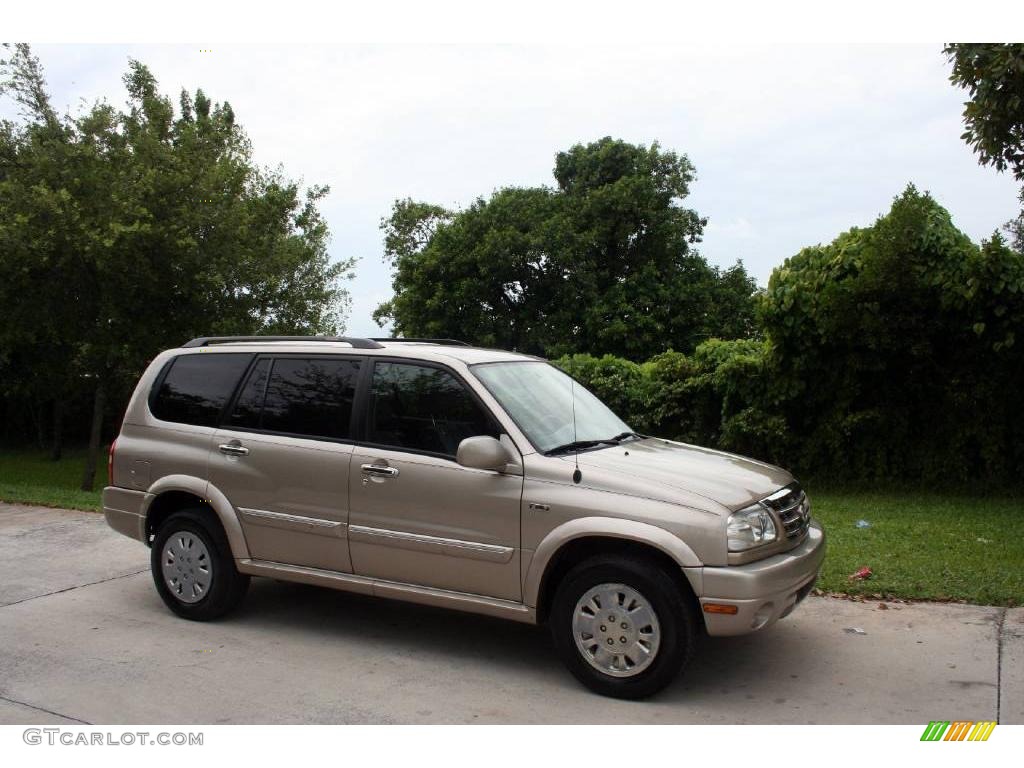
{"x": 423, "y": 409}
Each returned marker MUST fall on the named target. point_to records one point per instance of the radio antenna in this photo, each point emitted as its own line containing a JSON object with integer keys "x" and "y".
{"x": 576, "y": 475}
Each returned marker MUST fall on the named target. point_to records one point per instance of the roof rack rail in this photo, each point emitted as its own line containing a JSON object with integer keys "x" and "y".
{"x": 454, "y": 342}
{"x": 357, "y": 343}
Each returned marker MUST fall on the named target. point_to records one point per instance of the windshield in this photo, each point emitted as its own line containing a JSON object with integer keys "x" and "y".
{"x": 539, "y": 398}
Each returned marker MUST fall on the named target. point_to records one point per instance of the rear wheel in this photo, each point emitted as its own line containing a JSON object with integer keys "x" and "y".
{"x": 193, "y": 569}
{"x": 623, "y": 626}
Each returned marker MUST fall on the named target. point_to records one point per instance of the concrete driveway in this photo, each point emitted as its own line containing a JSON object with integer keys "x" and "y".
{"x": 85, "y": 639}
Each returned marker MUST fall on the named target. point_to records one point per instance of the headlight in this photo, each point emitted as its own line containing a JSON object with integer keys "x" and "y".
{"x": 750, "y": 528}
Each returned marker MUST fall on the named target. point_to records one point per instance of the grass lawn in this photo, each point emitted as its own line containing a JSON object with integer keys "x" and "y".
{"x": 924, "y": 545}
{"x": 31, "y": 478}
{"x": 919, "y": 545}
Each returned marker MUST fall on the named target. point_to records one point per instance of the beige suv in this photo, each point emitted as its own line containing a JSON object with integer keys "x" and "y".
{"x": 438, "y": 473}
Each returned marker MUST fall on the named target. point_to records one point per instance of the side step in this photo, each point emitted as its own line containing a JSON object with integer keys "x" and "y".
{"x": 394, "y": 590}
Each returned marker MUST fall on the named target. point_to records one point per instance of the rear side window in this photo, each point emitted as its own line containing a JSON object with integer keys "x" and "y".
{"x": 299, "y": 396}
{"x": 249, "y": 405}
{"x": 195, "y": 388}
{"x": 423, "y": 409}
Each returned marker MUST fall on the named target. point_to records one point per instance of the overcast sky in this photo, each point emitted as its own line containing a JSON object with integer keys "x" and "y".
{"x": 792, "y": 144}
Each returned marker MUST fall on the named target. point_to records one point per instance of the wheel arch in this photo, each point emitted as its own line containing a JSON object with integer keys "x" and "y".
{"x": 174, "y": 492}
{"x": 578, "y": 539}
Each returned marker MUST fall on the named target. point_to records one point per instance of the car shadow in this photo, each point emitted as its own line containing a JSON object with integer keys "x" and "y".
{"x": 721, "y": 667}
{"x": 395, "y": 626}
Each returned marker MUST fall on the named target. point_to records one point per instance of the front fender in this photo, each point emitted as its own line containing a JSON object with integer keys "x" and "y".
{"x": 212, "y": 496}
{"x": 642, "y": 533}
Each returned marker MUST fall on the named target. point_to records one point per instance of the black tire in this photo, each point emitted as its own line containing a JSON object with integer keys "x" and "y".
{"x": 671, "y": 602}
{"x": 226, "y": 586}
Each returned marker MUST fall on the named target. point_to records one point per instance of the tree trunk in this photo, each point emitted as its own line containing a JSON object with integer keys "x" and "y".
{"x": 91, "y": 460}
{"x": 38, "y": 421}
{"x": 57, "y": 447}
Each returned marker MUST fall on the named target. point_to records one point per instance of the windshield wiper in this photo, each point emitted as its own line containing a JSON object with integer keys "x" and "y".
{"x": 576, "y": 445}
{"x": 622, "y": 436}
{"x": 581, "y": 445}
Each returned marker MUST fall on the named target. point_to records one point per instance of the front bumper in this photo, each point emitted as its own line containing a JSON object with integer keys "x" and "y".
{"x": 122, "y": 508}
{"x": 763, "y": 591}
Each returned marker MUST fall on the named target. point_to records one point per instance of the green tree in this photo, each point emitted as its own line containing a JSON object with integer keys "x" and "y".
{"x": 41, "y": 268}
{"x": 602, "y": 263}
{"x": 126, "y": 232}
{"x": 993, "y": 75}
{"x": 483, "y": 274}
{"x": 894, "y": 349}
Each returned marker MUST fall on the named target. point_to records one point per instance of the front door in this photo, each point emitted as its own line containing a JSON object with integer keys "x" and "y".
{"x": 282, "y": 455}
{"x": 416, "y": 516}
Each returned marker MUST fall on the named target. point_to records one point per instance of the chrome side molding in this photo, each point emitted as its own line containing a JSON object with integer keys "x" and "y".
{"x": 474, "y": 550}
{"x": 292, "y": 522}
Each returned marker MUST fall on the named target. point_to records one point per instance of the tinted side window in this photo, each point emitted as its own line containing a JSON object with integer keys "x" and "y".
{"x": 249, "y": 406}
{"x": 299, "y": 396}
{"x": 422, "y": 408}
{"x": 196, "y": 387}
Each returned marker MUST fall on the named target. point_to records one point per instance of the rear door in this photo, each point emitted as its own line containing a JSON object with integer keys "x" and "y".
{"x": 186, "y": 401}
{"x": 417, "y": 516}
{"x": 281, "y": 456}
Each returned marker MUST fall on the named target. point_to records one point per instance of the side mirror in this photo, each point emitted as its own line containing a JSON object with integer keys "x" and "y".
{"x": 483, "y": 452}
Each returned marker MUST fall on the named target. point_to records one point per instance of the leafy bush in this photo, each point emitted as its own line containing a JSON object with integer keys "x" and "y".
{"x": 618, "y": 382}
{"x": 890, "y": 353}
{"x": 717, "y": 396}
{"x": 894, "y": 349}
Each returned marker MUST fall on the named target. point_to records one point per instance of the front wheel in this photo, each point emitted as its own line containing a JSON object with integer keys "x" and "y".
{"x": 193, "y": 569}
{"x": 623, "y": 626}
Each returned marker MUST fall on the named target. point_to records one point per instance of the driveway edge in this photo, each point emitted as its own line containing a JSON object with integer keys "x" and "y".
{"x": 1010, "y": 708}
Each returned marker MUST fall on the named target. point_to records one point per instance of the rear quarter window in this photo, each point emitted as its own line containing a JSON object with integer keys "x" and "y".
{"x": 195, "y": 388}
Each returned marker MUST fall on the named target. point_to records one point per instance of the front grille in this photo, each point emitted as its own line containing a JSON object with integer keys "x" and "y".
{"x": 791, "y": 506}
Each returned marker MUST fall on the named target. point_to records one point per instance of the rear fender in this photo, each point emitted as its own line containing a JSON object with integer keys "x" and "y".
{"x": 212, "y": 497}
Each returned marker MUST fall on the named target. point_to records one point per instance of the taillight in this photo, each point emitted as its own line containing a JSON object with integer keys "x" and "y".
{"x": 110, "y": 463}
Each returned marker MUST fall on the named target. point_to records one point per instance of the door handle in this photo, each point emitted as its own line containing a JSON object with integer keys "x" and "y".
{"x": 233, "y": 449}
{"x": 379, "y": 470}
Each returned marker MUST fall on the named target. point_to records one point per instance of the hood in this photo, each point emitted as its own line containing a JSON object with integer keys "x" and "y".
{"x": 656, "y": 465}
